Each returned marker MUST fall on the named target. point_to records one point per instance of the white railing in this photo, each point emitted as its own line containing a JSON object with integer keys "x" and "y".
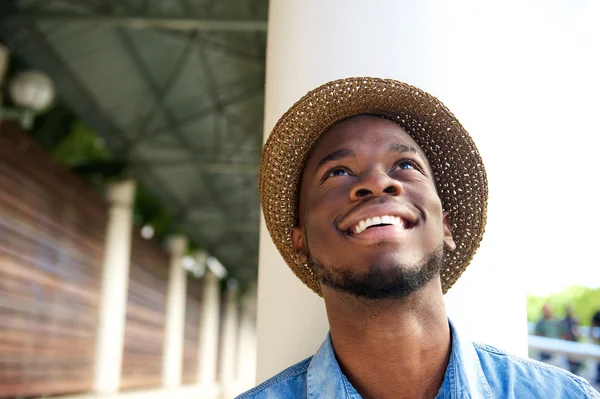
{"x": 581, "y": 350}
{"x": 561, "y": 351}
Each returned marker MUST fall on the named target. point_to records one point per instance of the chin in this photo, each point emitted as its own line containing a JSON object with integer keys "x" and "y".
{"x": 386, "y": 277}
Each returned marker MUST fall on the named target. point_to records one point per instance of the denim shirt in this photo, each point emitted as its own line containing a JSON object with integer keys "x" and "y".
{"x": 474, "y": 371}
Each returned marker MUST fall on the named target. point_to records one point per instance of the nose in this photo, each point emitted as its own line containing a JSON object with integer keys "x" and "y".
{"x": 375, "y": 183}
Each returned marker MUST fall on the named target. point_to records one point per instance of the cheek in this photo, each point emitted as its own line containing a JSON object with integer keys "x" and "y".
{"x": 327, "y": 203}
{"x": 320, "y": 216}
{"x": 436, "y": 215}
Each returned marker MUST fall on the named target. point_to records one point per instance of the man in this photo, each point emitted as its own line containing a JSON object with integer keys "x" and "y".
{"x": 570, "y": 332}
{"x": 376, "y": 198}
{"x": 595, "y": 337}
{"x": 547, "y": 326}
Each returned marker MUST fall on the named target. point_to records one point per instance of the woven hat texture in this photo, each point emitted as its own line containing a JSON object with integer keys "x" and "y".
{"x": 458, "y": 169}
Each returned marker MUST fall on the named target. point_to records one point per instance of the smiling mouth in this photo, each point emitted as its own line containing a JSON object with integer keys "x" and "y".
{"x": 377, "y": 221}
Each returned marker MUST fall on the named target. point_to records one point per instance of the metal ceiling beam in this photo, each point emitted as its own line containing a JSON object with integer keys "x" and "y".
{"x": 226, "y": 227}
{"x": 175, "y": 22}
{"x": 208, "y": 214}
{"x": 196, "y": 198}
{"x": 202, "y": 113}
{"x": 241, "y": 53}
{"x": 168, "y": 144}
{"x": 207, "y": 167}
{"x": 174, "y": 75}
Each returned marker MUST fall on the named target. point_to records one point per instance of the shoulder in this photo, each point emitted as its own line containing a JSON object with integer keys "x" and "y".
{"x": 290, "y": 383}
{"x": 510, "y": 375}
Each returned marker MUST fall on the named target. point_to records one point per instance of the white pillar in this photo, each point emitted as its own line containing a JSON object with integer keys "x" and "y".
{"x": 229, "y": 341}
{"x": 246, "y": 353}
{"x": 113, "y": 294}
{"x": 175, "y": 317}
{"x": 311, "y": 42}
{"x": 209, "y": 331}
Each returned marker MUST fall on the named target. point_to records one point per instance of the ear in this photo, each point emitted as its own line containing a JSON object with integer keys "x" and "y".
{"x": 449, "y": 243}
{"x": 299, "y": 244}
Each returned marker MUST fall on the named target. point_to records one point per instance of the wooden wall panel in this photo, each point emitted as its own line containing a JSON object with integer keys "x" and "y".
{"x": 52, "y": 229}
{"x": 146, "y": 306}
{"x": 192, "y": 330}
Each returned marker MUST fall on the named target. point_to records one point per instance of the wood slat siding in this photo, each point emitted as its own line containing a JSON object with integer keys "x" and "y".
{"x": 146, "y": 307}
{"x": 52, "y": 228}
{"x": 192, "y": 330}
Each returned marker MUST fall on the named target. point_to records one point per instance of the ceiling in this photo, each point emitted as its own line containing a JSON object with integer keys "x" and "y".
{"x": 175, "y": 88}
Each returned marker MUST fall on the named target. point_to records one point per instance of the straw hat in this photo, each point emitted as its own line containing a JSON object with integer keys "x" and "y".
{"x": 459, "y": 172}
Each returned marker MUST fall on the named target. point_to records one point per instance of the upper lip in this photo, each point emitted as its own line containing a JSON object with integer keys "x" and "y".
{"x": 408, "y": 213}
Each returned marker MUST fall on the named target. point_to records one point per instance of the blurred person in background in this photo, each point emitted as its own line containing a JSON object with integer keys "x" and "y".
{"x": 570, "y": 332}
{"x": 595, "y": 336}
{"x": 547, "y": 326}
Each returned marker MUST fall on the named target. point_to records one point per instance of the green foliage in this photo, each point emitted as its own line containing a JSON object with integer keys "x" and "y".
{"x": 585, "y": 302}
{"x": 81, "y": 147}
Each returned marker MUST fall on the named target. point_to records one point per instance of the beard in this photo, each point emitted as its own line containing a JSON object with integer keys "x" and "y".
{"x": 380, "y": 281}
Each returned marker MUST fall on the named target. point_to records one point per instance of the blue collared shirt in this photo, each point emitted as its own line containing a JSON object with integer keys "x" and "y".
{"x": 474, "y": 371}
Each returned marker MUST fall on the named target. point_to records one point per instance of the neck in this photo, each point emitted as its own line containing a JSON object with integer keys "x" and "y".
{"x": 392, "y": 348}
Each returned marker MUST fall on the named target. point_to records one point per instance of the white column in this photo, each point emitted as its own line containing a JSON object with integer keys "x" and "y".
{"x": 311, "y": 42}
{"x": 175, "y": 318}
{"x": 113, "y": 294}
{"x": 209, "y": 331}
{"x": 246, "y": 353}
{"x": 229, "y": 340}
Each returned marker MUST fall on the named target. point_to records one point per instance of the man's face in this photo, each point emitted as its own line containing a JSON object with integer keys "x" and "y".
{"x": 370, "y": 220}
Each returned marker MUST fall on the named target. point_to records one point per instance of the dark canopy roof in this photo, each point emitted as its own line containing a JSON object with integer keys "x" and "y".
{"x": 175, "y": 88}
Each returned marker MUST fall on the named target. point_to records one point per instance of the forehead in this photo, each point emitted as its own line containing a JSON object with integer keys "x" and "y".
{"x": 362, "y": 132}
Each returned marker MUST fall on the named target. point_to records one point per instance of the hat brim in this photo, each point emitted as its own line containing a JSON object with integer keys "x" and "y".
{"x": 460, "y": 175}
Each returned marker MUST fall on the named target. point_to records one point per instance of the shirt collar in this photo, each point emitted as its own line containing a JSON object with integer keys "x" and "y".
{"x": 464, "y": 377}
{"x": 324, "y": 378}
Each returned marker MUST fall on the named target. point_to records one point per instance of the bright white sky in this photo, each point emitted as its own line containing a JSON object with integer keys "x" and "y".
{"x": 539, "y": 134}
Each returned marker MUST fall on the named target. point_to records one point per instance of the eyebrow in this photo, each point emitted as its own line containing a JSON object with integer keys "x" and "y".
{"x": 336, "y": 155}
{"x": 402, "y": 148}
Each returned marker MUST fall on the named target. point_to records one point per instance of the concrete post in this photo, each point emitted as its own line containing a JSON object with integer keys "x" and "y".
{"x": 175, "y": 318}
{"x": 113, "y": 294}
{"x": 246, "y": 354}
{"x": 209, "y": 331}
{"x": 228, "y": 348}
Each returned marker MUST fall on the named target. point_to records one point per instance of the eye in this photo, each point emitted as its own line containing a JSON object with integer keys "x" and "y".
{"x": 405, "y": 164}
{"x": 337, "y": 172}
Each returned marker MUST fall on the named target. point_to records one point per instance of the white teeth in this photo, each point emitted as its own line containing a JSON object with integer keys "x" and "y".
{"x": 385, "y": 219}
